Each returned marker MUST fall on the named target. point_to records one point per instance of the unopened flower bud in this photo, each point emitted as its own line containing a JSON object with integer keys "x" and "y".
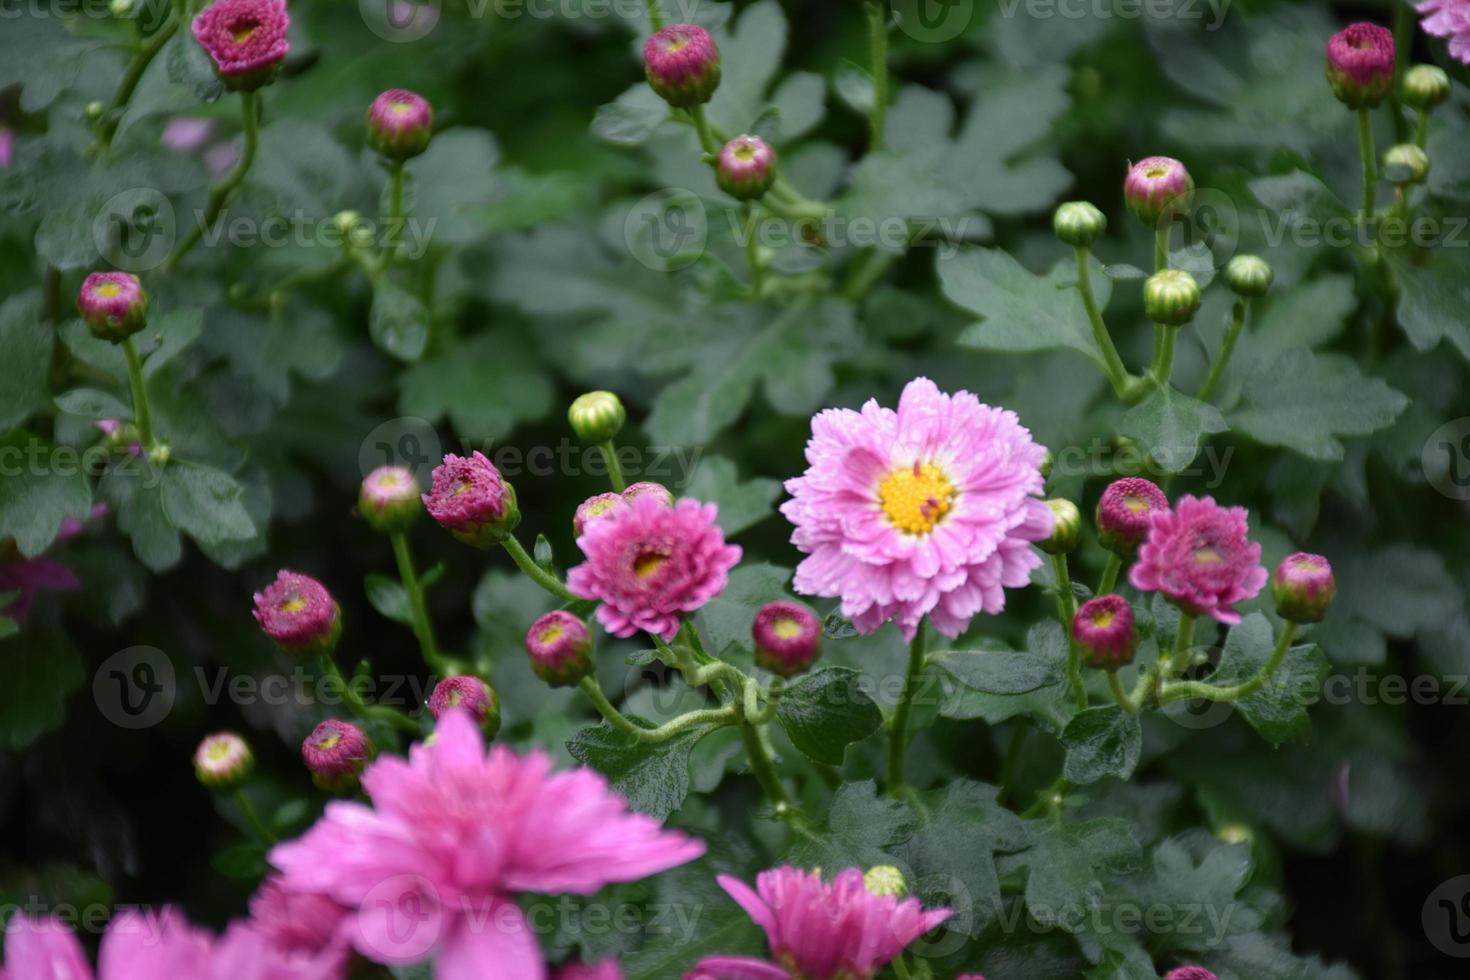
{"x": 1123, "y": 513}
{"x": 885, "y": 881}
{"x": 682, "y": 65}
{"x": 389, "y": 500}
{"x": 352, "y": 228}
{"x": 471, "y": 501}
{"x": 1426, "y": 86}
{"x": 93, "y": 110}
{"x": 647, "y": 488}
{"x": 1103, "y": 630}
{"x": 746, "y": 168}
{"x": 1157, "y": 188}
{"x": 335, "y": 753}
{"x": 1248, "y": 275}
{"x": 594, "y": 507}
{"x": 223, "y": 762}
{"x": 400, "y": 124}
{"x": 560, "y": 646}
{"x": 597, "y": 416}
{"x": 121, "y": 9}
{"x": 1066, "y": 527}
{"x": 299, "y": 614}
{"x": 788, "y": 638}
{"x": 1078, "y": 223}
{"x": 113, "y": 304}
{"x": 245, "y": 39}
{"x": 1171, "y": 297}
{"x": 1303, "y": 587}
{"x": 1235, "y": 833}
{"x": 1360, "y": 64}
{"x": 1405, "y": 164}
{"x": 1190, "y": 973}
{"x": 471, "y": 694}
{"x": 1046, "y": 465}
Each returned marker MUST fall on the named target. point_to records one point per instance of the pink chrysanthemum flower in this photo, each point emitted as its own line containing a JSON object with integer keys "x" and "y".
{"x": 471, "y": 500}
{"x": 1123, "y": 513}
{"x": 682, "y": 64}
{"x": 787, "y": 637}
{"x": 821, "y": 931}
{"x": 1190, "y": 973}
{"x": 25, "y": 577}
{"x": 434, "y": 865}
{"x": 299, "y": 614}
{"x": 113, "y": 304}
{"x": 1360, "y": 64}
{"x": 1199, "y": 557}
{"x": 400, "y": 124}
{"x": 650, "y": 563}
{"x": 301, "y": 922}
{"x": 927, "y": 511}
{"x": 1451, "y": 19}
{"x": 335, "y": 754}
{"x": 606, "y": 970}
{"x": 7, "y": 147}
{"x": 246, "y": 40}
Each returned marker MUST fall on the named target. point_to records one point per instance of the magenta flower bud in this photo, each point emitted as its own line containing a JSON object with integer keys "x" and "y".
{"x": 1103, "y": 630}
{"x": 336, "y": 752}
{"x": 682, "y": 64}
{"x": 1190, "y": 973}
{"x": 246, "y": 40}
{"x": 223, "y": 762}
{"x": 469, "y": 694}
{"x": 471, "y": 501}
{"x": 1156, "y": 188}
{"x": 1360, "y": 64}
{"x": 1303, "y": 587}
{"x": 113, "y": 304}
{"x": 1123, "y": 513}
{"x": 648, "y": 488}
{"x": 400, "y": 123}
{"x": 746, "y": 168}
{"x": 560, "y": 646}
{"x": 389, "y": 500}
{"x": 299, "y": 614}
{"x": 594, "y": 507}
{"x": 788, "y": 638}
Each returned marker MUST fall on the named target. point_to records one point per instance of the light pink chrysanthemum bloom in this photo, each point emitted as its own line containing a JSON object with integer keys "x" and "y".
{"x": 1451, "y": 19}
{"x": 1199, "y": 557}
{"x": 246, "y": 40}
{"x": 649, "y": 563}
{"x": 434, "y": 865}
{"x": 820, "y": 931}
{"x": 301, "y": 922}
{"x": 929, "y": 510}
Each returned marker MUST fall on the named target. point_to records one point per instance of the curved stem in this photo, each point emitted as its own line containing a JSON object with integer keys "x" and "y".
{"x": 253, "y": 818}
{"x": 655, "y": 14}
{"x": 1117, "y": 372}
{"x": 1227, "y": 347}
{"x": 534, "y": 571}
{"x": 1120, "y": 695}
{"x": 764, "y": 769}
{"x": 1198, "y": 689}
{"x": 423, "y": 627}
{"x": 1370, "y": 163}
{"x": 129, "y": 84}
{"x": 1109, "y": 580}
{"x": 219, "y": 195}
{"x": 394, "y": 245}
{"x": 614, "y": 468}
{"x": 141, "y": 413}
{"x": 702, "y": 127}
{"x": 899, "y": 733}
{"x": 878, "y": 65}
{"x": 1183, "y": 641}
{"x": 359, "y": 707}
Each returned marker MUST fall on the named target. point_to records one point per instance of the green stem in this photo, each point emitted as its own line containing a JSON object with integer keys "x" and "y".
{"x": 1197, "y": 689}
{"x": 253, "y": 818}
{"x": 614, "y": 468}
{"x": 219, "y": 195}
{"x": 1049, "y": 800}
{"x": 726, "y": 715}
{"x": 1067, "y": 611}
{"x": 1183, "y": 642}
{"x": 753, "y": 249}
{"x": 1370, "y": 163}
{"x": 1113, "y": 364}
{"x": 702, "y": 127}
{"x": 535, "y": 572}
{"x": 1109, "y": 580}
{"x": 129, "y": 84}
{"x": 359, "y": 707}
{"x": 764, "y": 769}
{"x": 423, "y": 627}
{"x": 1163, "y": 367}
{"x": 655, "y": 15}
{"x": 1227, "y": 347}
{"x": 899, "y": 733}
{"x": 878, "y": 58}
{"x": 1421, "y": 129}
{"x": 901, "y": 968}
{"x": 395, "y": 212}
{"x": 1121, "y": 696}
{"x": 141, "y": 414}
{"x": 1161, "y": 248}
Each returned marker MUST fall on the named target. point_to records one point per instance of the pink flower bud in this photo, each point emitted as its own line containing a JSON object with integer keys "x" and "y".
{"x": 246, "y": 40}
{"x": 389, "y": 500}
{"x": 682, "y": 64}
{"x": 594, "y": 507}
{"x": 1360, "y": 64}
{"x": 560, "y": 646}
{"x": 1123, "y": 513}
{"x": 648, "y": 489}
{"x": 113, "y": 304}
{"x": 788, "y": 638}
{"x": 335, "y": 753}
{"x": 223, "y": 762}
{"x": 299, "y": 614}
{"x": 746, "y": 168}
{"x": 1103, "y": 630}
{"x": 400, "y": 123}
{"x": 471, "y": 501}
{"x": 1157, "y": 187}
{"x": 468, "y": 694}
{"x": 1303, "y": 587}
{"x": 1190, "y": 973}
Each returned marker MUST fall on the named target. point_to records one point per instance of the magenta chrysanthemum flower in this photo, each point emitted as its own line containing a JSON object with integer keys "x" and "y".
{"x": 454, "y": 836}
{"x": 1360, "y": 64}
{"x": 788, "y": 637}
{"x": 113, "y": 304}
{"x": 1123, "y": 513}
{"x": 821, "y": 931}
{"x": 746, "y": 168}
{"x": 246, "y": 40}
{"x": 467, "y": 695}
{"x": 299, "y": 614}
{"x": 1303, "y": 587}
{"x": 1199, "y": 557}
{"x": 301, "y": 922}
{"x": 682, "y": 64}
{"x": 1157, "y": 187}
{"x": 7, "y": 147}
{"x": 649, "y": 563}
{"x": 400, "y": 123}
{"x": 335, "y": 754}
{"x": 471, "y": 501}
{"x": 1190, "y": 973}
{"x": 1451, "y": 19}
{"x": 927, "y": 511}
{"x": 560, "y": 647}
{"x": 1103, "y": 630}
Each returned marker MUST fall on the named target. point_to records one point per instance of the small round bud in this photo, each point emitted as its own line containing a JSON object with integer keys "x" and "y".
{"x": 1171, "y": 297}
{"x": 1066, "y": 527}
{"x": 223, "y": 762}
{"x": 1103, "y": 630}
{"x": 400, "y": 124}
{"x": 597, "y": 416}
{"x": 336, "y": 752}
{"x": 120, "y": 436}
{"x": 1157, "y": 188}
{"x": 1046, "y": 464}
{"x": 93, "y": 110}
{"x": 646, "y": 488}
{"x": 682, "y": 65}
{"x": 1190, "y": 973}
{"x": 113, "y": 304}
{"x": 1405, "y": 164}
{"x": 788, "y": 638}
{"x": 1426, "y": 86}
{"x": 1360, "y": 64}
{"x": 885, "y": 881}
{"x": 1248, "y": 275}
{"x": 389, "y": 500}
{"x": 1303, "y": 588}
{"x": 1124, "y": 511}
{"x": 1235, "y": 833}
{"x": 245, "y": 39}
{"x": 121, "y": 9}
{"x": 469, "y": 694}
{"x": 352, "y": 228}
{"x": 560, "y": 646}
{"x": 1078, "y": 223}
{"x": 471, "y": 501}
{"x": 299, "y": 614}
{"x": 594, "y": 507}
{"x": 746, "y": 168}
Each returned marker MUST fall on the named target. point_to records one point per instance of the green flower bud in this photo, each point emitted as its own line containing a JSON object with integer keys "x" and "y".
{"x": 1426, "y": 86}
{"x": 1078, "y": 223}
{"x": 597, "y": 416}
{"x": 1405, "y": 164}
{"x": 1171, "y": 297}
{"x": 1248, "y": 275}
{"x": 223, "y": 762}
{"x": 884, "y": 880}
{"x": 1066, "y": 527}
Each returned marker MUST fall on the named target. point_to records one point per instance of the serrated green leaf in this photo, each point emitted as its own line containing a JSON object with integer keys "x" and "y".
{"x": 43, "y": 486}
{"x": 27, "y": 343}
{"x": 205, "y": 503}
{"x": 825, "y": 711}
{"x": 1101, "y": 741}
{"x": 654, "y": 779}
{"x": 90, "y": 403}
{"x": 1170, "y": 427}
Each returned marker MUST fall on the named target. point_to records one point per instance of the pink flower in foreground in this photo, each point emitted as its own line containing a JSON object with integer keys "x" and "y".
{"x": 246, "y": 40}
{"x": 1199, "y": 557}
{"x": 1190, "y": 973}
{"x": 301, "y": 922}
{"x": 929, "y": 510}
{"x": 820, "y": 931}
{"x": 649, "y": 563}
{"x": 606, "y": 970}
{"x": 433, "y": 866}
{"x": 1451, "y": 19}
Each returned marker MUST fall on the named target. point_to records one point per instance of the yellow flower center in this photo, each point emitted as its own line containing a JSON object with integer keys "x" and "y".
{"x": 1206, "y": 555}
{"x": 915, "y": 499}
{"x": 294, "y": 604}
{"x": 1103, "y": 618}
{"x": 646, "y": 564}
{"x": 551, "y": 634}
{"x": 786, "y": 628}
{"x": 328, "y": 741}
{"x": 108, "y": 290}
{"x": 220, "y": 751}
{"x": 1136, "y": 504}
{"x": 243, "y": 31}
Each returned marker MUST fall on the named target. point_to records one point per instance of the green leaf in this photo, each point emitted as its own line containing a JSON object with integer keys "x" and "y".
{"x": 241, "y": 862}
{"x": 90, "y": 403}
{"x": 398, "y": 320}
{"x": 1046, "y": 645}
{"x": 1433, "y": 298}
{"x": 827, "y": 710}
{"x": 750, "y": 54}
{"x": 453, "y": 181}
{"x": 1278, "y": 711}
{"x": 27, "y": 343}
{"x": 653, "y": 778}
{"x": 136, "y": 499}
{"x": 1102, "y": 741}
{"x": 44, "y": 668}
{"x": 166, "y": 337}
{"x": 43, "y": 485}
{"x": 485, "y": 385}
{"x": 1170, "y": 426}
{"x": 742, "y": 504}
{"x": 997, "y": 671}
{"x": 205, "y": 503}
{"x": 632, "y": 117}
{"x": 389, "y": 598}
{"x": 1068, "y": 862}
